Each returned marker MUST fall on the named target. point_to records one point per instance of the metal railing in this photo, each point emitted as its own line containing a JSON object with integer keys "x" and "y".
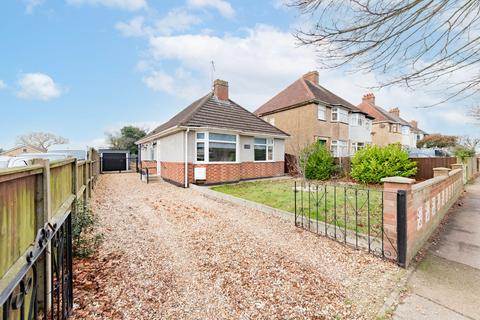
{"x": 348, "y": 214}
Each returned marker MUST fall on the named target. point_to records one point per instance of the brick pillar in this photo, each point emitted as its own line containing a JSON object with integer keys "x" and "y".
{"x": 441, "y": 172}
{"x": 391, "y": 186}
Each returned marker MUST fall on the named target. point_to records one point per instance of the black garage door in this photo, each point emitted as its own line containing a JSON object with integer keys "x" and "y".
{"x": 114, "y": 161}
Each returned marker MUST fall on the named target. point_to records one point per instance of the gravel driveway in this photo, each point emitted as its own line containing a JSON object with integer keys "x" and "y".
{"x": 171, "y": 253}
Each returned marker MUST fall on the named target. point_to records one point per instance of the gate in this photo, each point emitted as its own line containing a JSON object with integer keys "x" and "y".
{"x": 32, "y": 293}
{"x": 345, "y": 213}
{"x": 114, "y": 162}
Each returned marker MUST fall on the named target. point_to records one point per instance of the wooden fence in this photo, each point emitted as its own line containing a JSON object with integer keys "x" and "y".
{"x": 425, "y": 166}
{"x": 30, "y": 198}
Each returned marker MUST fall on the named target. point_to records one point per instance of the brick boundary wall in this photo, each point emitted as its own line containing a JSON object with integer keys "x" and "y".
{"x": 222, "y": 172}
{"x": 426, "y": 205}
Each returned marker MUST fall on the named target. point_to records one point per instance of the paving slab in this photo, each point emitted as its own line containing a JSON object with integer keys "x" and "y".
{"x": 420, "y": 308}
{"x": 446, "y": 283}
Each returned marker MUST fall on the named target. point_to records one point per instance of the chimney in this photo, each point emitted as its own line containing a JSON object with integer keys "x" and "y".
{"x": 311, "y": 76}
{"x": 395, "y": 112}
{"x": 369, "y": 98}
{"x": 220, "y": 89}
{"x": 414, "y": 124}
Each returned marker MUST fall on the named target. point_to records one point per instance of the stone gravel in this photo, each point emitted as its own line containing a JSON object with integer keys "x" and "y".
{"x": 172, "y": 253}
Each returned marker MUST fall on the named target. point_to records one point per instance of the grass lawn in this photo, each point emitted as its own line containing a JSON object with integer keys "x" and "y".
{"x": 341, "y": 205}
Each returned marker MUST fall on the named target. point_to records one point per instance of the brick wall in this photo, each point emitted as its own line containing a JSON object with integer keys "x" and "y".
{"x": 426, "y": 205}
{"x": 150, "y": 164}
{"x": 173, "y": 172}
{"x": 222, "y": 172}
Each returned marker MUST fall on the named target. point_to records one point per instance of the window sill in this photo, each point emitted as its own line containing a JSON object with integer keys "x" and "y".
{"x": 263, "y": 161}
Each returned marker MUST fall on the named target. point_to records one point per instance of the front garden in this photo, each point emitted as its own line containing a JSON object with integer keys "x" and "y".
{"x": 355, "y": 206}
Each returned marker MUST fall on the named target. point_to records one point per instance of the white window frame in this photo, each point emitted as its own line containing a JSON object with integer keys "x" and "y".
{"x": 267, "y": 144}
{"x": 405, "y": 130}
{"x": 341, "y": 113}
{"x": 321, "y": 110}
{"x": 339, "y": 144}
{"x": 206, "y": 140}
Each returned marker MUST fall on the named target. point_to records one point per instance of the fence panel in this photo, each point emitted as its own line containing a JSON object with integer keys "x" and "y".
{"x": 36, "y": 203}
{"x": 425, "y": 166}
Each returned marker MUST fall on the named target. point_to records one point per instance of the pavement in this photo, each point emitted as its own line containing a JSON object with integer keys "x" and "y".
{"x": 446, "y": 283}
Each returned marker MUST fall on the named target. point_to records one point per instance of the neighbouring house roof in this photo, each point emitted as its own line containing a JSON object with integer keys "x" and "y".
{"x": 382, "y": 115}
{"x": 211, "y": 112}
{"x": 301, "y": 92}
{"x": 32, "y": 149}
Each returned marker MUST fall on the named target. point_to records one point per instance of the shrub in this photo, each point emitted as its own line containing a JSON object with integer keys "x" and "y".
{"x": 464, "y": 153}
{"x": 317, "y": 162}
{"x": 437, "y": 141}
{"x": 373, "y": 163}
{"x": 85, "y": 237}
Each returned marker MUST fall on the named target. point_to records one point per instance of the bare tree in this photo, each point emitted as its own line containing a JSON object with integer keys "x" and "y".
{"x": 42, "y": 140}
{"x": 410, "y": 42}
{"x": 471, "y": 143}
{"x": 475, "y": 113}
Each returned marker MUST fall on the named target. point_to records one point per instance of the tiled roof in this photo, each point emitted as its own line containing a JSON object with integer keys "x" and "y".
{"x": 382, "y": 115}
{"x": 303, "y": 91}
{"x": 211, "y": 112}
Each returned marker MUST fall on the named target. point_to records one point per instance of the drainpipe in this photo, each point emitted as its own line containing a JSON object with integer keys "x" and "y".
{"x": 186, "y": 157}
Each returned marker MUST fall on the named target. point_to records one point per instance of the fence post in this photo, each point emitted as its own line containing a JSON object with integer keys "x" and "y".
{"x": 43, "y": 215}
{"x": 402, "y": 227}
{"x": 396, "y": 193}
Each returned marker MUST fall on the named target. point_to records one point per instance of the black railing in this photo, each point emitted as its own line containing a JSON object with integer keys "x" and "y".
{"x": 36, "y": 293}
{"x": 346, "y": 213}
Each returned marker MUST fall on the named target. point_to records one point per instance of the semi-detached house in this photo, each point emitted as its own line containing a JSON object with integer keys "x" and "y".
{"x": 388, "y": 127}
{"x": 310, "y": 112}
{"x": 214, "y": 140}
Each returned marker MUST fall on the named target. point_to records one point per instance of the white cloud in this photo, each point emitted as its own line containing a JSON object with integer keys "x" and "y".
{"x": 160, "y": 81}
{"x": 31, "y": 4}
{"x": 256, "y": 65}
{"x": 174, "y": 21}
{"x": 37, "y": 86}
{"x": 224, "y": 7}
{"x": 3, "y": 85}
{"x": 131, "y": 5}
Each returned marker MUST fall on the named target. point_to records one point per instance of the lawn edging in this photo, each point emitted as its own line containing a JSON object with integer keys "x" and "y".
{"x": 216, "y": 195}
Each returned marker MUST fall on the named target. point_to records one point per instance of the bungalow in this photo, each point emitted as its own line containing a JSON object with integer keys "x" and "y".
{"x": 214, "y": 140}
{"x": 19, "y": 150}
{"x": 309, "y": 112}
{"x": 388, "y": 126}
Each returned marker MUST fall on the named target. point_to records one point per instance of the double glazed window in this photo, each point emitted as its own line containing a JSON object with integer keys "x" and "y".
{"x": 339, "y": 114}
{"x": 221, "y": 147}
{"x": 263, "y": 149}
{"x": 321, "y": 112}
{"x": 339, "y": 148}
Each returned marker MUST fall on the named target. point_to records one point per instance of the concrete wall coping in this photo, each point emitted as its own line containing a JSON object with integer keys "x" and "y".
{"x": 441, "y": 169}
{"x": 454, "y": 172}
{"x": 401, "y": 180}
{"x": 428, "y": 183}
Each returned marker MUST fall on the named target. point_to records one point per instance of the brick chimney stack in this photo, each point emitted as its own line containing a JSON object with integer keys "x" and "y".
{"x": 414, "y": 124}
{"x": 312, "y": 76}
{"x": 220, "y": 89}
{"x": 395, "y": 112}
{"x": 369, "y": 98}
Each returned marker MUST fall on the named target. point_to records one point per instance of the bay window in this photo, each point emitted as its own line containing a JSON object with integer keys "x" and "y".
{"x": 339, "y": 148}
{"x": 263, "y": 149}
{"x": 339, "y": 114}
{"x": 221, "y": 147}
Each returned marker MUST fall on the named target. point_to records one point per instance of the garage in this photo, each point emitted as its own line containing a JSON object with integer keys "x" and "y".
{"x": 114, "y": 160}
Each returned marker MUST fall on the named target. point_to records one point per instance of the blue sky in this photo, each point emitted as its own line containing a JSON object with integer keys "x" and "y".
{"x": 80, "y": 68}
